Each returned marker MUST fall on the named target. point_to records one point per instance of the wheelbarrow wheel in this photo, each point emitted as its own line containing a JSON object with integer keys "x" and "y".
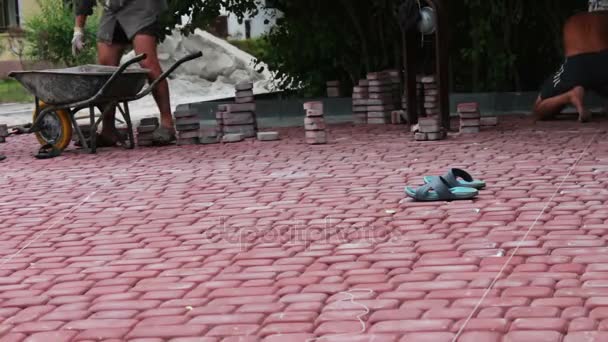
{"x": 55, "y": 128}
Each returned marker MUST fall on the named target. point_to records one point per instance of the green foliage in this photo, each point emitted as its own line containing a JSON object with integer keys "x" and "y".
{"x": 510, "y": 45}
{"x": 257, "y": 47}
{"x": 49, "y": 35}
{"x": 495, "y": 45}
{"x": 319, "y": 40}
{"x": 12, "y": 91}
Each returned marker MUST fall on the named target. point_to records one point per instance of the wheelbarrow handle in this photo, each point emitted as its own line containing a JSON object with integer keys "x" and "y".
{"x": 119, "y": 71}
{"x": 109, "y": 82}
{"x": 166, "y": 74}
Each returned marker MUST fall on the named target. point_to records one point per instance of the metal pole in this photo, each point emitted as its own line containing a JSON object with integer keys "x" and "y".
{"x": 442, "y": 61}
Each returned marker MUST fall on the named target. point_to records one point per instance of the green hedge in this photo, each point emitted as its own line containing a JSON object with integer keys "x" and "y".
{"x": 49, "y": 35}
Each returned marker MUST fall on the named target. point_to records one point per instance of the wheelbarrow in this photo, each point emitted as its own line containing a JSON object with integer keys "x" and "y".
{"x": 61, "y": 93}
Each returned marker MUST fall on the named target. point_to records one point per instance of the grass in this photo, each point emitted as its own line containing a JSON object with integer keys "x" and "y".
{"x": 11, "y": 91}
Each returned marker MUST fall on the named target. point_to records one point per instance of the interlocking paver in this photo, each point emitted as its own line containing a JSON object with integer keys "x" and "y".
{"x": 285, "y": 242}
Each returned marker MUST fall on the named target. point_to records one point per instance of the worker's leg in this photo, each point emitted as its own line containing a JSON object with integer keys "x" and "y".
{"x": 563, "y": 88}
{"x": 109, "y": 54}
{"x": 147, "y": 43}
{"x": 549, "y": 107}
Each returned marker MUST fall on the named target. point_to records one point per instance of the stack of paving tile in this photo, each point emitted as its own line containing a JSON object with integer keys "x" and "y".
{"x": 314, "y": 123}
{"x": 3, "y": 133}
{"x": 244, "y": 93}
{"x": 209, "y": 135}
{"x": 219, "y": 118}
{"x": 239, "y": 118}
{"x": 431, "y": 95}
{"x": 333, "y": 89}
{"x": 188, "y": 127}
{"x": 429, "y": 129}
{"x": 380, "y": 103}
{"x": 470, "y": 117}
{"x": 146, "y": 128}
{"x": 360, "y": 99}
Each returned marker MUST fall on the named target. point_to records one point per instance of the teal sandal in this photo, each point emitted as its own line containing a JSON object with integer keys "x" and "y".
{"x": 48, "y": 151}
{"x": 438, "y": 189}
{"x": 460, "y": 178}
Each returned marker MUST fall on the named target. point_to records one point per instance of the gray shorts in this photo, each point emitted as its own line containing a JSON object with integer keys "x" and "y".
{"x": 122, "y": 24}
{"x": 120, "y": 37}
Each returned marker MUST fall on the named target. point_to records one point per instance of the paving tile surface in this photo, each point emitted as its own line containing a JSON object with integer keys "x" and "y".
{"x": 283, "y": 241}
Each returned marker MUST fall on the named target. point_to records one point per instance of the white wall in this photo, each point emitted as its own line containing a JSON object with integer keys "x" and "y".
{"x": 598, "y": 5}
{"x": 259, "y": 27}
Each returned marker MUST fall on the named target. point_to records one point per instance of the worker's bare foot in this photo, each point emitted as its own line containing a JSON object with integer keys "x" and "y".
{"x": 577, "y": 96}
{"x": 585, "y": 116}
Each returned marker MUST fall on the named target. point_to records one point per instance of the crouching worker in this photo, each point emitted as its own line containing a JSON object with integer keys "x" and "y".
{"x": 123, "y": 23}
{"x": 585, "y": 67}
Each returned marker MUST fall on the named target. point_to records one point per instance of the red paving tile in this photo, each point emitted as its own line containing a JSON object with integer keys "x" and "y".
{"x": 283, "y": 241}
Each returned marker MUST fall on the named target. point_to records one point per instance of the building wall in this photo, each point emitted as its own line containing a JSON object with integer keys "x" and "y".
{"x": 27, "y": 8}
{"x": 260, "y": 24}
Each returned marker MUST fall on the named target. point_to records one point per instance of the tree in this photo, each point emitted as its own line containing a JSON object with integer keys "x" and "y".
{"x": 201, "y": 13}
{"x": 315, "y": 41}
{"x": 495, "y": 45}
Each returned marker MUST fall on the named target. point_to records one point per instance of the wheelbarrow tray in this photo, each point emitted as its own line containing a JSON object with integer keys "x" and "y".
{"x": 72, "y": 85}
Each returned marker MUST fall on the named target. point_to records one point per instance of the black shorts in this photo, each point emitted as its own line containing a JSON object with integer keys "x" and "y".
{"x": 120, "y": 37}
{"x": 589, "y": 70}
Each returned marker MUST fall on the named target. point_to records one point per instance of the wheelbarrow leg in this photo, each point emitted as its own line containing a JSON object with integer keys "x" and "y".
{"x": 127, "y": 115}
{"x": 93, "y": 130}
{"x": 83, "y": 141}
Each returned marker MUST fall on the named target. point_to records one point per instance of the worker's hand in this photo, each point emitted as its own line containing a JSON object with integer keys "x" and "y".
{"x": 77, "y": 41}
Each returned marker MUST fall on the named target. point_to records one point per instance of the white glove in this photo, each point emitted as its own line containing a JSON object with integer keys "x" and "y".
{"x": 77, "y": 41}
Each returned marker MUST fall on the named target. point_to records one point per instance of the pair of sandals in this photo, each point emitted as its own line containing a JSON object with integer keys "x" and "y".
{"x": 456, "y": 184}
